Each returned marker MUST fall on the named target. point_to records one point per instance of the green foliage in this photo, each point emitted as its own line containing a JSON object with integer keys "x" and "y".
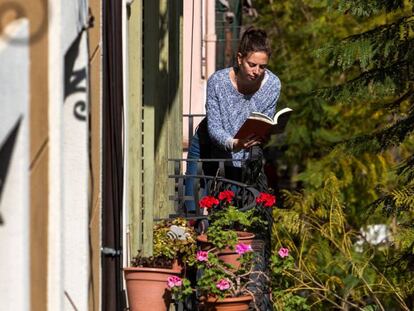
{"x": 219, "y": 279}
{"x": 180, "y": 293}
{"x": 167, "y": 246}
{"x": 172, "y": 247}
{"x": 367, "y": 8}
{"x": 329, "y": 270}
{"x": 231, "y": 217}
{"x": 225, "y": 219}
{"x": 283, "y": 297}
{"x": 223, "y": 223}
{"x": 214, "y": 271}
{"x": 221, "y": 238}
{"x": 346, "y": 68}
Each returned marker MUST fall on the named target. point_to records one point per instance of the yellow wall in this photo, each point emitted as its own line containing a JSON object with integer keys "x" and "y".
{"x": 36, "y": 11}
{"x": 95, "y": 102}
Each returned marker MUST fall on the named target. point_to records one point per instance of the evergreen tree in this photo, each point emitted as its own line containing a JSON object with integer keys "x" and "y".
{"x": 347, "y": 69}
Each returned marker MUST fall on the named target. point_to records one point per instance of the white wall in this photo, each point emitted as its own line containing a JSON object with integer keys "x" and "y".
{"x": 68, "y": 264}
{"x": 14, "y": 197}
{"x": 75, "y": 169}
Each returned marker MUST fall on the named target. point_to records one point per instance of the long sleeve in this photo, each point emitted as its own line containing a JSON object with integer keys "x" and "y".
{"x": 227, "y": 110}
{"x": 217, "y": 133}
{"x": 270, "y": 109}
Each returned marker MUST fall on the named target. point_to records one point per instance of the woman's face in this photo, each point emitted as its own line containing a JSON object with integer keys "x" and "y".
{"x": 252, "y": 66}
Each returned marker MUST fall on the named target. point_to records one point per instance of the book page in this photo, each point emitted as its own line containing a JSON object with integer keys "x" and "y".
{"x": 279, "y": 113}
{"x": 260, "y": 116}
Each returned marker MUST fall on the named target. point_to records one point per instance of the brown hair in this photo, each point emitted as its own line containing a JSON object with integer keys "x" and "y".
{"x": 254, "y": 40}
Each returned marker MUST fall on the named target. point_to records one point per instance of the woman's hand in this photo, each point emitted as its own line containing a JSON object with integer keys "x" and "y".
{"x": 246, "y": 143}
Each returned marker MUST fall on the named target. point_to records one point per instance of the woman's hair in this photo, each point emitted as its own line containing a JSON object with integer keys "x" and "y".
{"x": 254, "y": 40}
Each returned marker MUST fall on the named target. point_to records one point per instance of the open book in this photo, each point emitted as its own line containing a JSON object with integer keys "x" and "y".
{"x": 262, "y": 125}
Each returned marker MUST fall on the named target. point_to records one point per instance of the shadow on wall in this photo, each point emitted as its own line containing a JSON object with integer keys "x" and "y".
{"x": 6, "y": 152}
{"x": 162, "y": 88}
{"x": 75, "y": 80}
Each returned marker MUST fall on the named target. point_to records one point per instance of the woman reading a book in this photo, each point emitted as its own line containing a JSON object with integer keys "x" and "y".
{"x": 232, "y": 94}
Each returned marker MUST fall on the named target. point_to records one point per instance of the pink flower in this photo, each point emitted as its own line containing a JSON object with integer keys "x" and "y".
{"x": 174, "y": 281}
{"x": 208, "y": 202}
{"x": 202, "y": 256}
{"x": 226, "y": 195}
{"x": 242, "y": 248}
{"x": 223, "y": 284}
{"x": 267, "y": 199}
{"x": 283, "y": 252}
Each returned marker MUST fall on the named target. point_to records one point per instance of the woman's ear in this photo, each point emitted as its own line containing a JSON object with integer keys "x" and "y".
{"x": 239, "y": 59}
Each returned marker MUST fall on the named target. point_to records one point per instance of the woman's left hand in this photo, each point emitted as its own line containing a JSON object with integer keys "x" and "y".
{"x": 246, "y": 143}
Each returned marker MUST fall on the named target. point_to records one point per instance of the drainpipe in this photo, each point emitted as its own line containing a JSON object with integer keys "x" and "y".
{"x": 210, "y": 37}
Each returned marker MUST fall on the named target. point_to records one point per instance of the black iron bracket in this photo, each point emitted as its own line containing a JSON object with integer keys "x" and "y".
{"x": 111, "y": 252}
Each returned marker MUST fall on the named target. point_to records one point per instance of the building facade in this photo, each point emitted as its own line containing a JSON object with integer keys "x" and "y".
{"x": 92, "y": 98}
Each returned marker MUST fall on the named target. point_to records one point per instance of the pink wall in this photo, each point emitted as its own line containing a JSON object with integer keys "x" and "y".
{"x": 199, "y": 49}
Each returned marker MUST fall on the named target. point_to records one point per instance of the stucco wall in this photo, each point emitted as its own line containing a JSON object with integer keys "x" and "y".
{"x": 14, "y": 163}
{"x": 46, "y": 202}
{"x": 75, "y": 187}
{"x": 68, "y": 244}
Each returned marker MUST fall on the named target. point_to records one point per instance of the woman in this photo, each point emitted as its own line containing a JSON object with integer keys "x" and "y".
{"x": 232, "y": 94}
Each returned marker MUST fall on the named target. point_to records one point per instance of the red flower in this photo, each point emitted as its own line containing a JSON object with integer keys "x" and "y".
{"x": 208, "y": 202}
{"x": 267, "y": 199}
{"x": 226, "y": 195}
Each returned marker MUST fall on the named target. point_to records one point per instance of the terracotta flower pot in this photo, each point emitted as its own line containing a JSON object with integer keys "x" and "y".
{"x": 203, "y": 242}
{"x": 228, "y": 304}
{"x": 229, "y": 255}
{"x": 147, "y": 288}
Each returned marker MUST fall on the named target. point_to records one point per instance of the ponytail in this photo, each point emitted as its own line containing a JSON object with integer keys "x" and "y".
{"x": 254, "y": 40}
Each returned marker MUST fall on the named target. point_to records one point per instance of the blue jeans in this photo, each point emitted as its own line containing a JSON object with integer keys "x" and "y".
{"x": 193, "y": 153}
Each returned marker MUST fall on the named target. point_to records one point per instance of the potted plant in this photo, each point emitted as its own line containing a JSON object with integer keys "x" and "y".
{"x": 220, "y": 287}
{"x": 228, "y": 225}
{"x": 146, "y": 280}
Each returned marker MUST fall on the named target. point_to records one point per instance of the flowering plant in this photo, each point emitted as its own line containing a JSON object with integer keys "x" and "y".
{"x": 225, "y": 219}
{"x": 218, "y": 278}
{"x": 267, "y": 199}
{"x": 281, "y": 260}
{"x": 282, "y": 265}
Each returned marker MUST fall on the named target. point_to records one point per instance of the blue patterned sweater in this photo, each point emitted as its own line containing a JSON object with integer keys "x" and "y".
{"x": 227, "y": 109}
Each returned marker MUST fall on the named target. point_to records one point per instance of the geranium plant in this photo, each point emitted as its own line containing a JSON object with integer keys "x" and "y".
{"x": 173, "y": 240}
{"x": 225, "y": 219}
{"x": 219, "y": 279}
{"x": 282, "y": 265}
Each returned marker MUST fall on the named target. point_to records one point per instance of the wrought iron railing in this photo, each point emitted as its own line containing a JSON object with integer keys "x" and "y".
{"x": 245, "y": 199}
{"x": 245, "y": 194}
